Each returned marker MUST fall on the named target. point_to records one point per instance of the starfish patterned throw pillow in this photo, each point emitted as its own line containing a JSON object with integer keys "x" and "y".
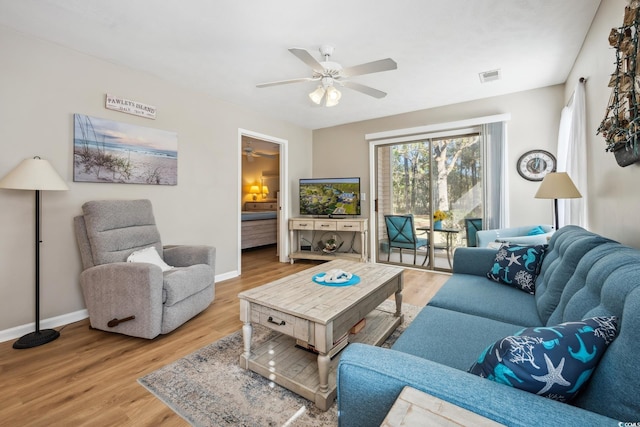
{"x": 553, "y": 362}
{"x": 517, "y": 266}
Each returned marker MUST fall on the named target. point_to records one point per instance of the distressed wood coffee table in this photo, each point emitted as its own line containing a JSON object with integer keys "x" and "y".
{"x": 317, "y": 317}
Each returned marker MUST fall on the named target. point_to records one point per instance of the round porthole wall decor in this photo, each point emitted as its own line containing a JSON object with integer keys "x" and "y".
{"x": 535, "y": 164}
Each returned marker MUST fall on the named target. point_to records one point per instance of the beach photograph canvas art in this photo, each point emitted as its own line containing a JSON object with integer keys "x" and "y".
{"x": 115, "y": 152}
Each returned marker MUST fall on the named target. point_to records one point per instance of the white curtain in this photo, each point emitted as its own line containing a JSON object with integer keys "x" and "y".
{"x": 496, "y": 181}
{"x": 572, "y": 158}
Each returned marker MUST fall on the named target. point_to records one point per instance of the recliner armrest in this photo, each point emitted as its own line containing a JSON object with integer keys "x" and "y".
{"x": 187, "y": 255}
{"x": 123, "y": 289}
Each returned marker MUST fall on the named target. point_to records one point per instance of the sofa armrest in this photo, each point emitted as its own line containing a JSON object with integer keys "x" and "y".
{"x": 186, "y": 255}
{"x": 120, "y": 290}
{"x": 485, "y": 237}
{"x": 515, "y": 234}
{"x": 371, "y": 378}
{"x": 476, "y": 261}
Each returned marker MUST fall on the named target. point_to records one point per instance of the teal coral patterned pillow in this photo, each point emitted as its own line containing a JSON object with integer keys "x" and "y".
{"x": 517, "y": 266}
{"x": 553, "y": 362}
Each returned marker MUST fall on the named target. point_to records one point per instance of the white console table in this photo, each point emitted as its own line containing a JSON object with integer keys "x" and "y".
{"x": 357, "y": 226}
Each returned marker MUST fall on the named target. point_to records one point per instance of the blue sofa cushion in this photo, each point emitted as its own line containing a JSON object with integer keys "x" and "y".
{"x": 567, "y": 248}
{"x": 430, "y": 336}
{"x": 517, "y": 266}
{"x": 553, "y": 362}
{"x": 460, "y": 293}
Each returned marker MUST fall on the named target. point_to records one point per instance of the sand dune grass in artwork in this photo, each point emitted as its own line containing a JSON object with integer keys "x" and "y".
{"x": 108, "y": 151}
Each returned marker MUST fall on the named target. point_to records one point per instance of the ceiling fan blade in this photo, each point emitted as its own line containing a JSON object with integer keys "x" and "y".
{"x": 269, "y": 156}
{"x": 306, "y": 57}
{"x": 370, "y": 67}
{"x": 364, "y": 89}
{"x": 284, "y": 82}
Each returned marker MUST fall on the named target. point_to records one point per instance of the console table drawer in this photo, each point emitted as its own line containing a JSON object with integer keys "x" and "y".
{"x": 297, "y": 224}
{"x": 280, "y": 322}
{"x": 350, "y": 226}
{"x": 325, "y": 225}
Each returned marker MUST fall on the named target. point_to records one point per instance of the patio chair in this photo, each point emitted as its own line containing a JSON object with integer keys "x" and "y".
{"x": 402, "y": 235}
{"x": 472, "y": 226}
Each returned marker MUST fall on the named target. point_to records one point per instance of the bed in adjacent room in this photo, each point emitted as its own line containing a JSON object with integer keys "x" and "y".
{"x": 259, "y": 224}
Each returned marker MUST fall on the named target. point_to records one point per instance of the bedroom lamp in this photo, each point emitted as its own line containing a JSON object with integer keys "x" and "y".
{"x": 265, "y": 191}
{"x": 254, "y": 190}
{"x": 35, "y": 174}
{"x": 557, "y": 185}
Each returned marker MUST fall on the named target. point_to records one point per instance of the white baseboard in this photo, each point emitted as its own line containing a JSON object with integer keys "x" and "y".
{"x": 53, "y": 322}
{"x": 226, "y": 276}
{"x": 65, "y": 319}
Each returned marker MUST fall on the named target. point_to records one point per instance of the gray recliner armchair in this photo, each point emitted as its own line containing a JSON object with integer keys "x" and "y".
{"x": 138, "y": 298}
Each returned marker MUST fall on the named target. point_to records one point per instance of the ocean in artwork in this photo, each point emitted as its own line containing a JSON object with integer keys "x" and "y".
{"x": 114, "y": 152}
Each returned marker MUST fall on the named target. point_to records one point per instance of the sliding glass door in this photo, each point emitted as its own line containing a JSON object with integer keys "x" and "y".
{"x": 438, "y": 182}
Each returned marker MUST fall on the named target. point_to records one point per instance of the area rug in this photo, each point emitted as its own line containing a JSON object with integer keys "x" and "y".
{"x": 208, "y": 387}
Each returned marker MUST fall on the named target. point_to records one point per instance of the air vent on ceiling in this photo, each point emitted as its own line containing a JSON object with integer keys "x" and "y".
{"x": 490, "y": 76}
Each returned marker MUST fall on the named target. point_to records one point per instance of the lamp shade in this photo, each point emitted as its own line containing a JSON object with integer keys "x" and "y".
{"x": 333, "y": 97}
{"x": 557, "y": 185}
{"x": 33, "y": 174}
{"x": 254, "y": 189}
{"x": 317, "y": 95}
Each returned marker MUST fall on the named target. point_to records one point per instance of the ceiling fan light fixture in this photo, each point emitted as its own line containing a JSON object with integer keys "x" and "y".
{"x": 333, "y": 96}
{"x": 328, "y": 72}
{"x": 317, "y": 95}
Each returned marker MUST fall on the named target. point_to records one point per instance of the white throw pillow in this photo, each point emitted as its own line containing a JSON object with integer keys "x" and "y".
{"x": 149, "y": 255}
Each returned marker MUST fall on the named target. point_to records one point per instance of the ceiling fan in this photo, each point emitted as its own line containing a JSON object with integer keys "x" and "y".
{"x": 251, "y": 154}
{"x": 330, "y": 73}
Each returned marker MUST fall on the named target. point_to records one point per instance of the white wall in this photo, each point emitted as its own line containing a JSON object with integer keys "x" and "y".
{"x": 535, "y": 117}
{"x": 614, "y": 198}
{"x": 41, "y": 86}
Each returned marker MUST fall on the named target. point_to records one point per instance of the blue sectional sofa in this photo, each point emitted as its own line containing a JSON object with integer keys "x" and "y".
{"x": 582, "y": 275}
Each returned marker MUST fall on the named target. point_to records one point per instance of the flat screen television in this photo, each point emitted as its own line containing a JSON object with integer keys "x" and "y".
{"x": 330, "y": 196}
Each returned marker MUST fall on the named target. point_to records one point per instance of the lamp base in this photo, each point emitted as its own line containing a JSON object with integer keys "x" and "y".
{"x": 35, "y": 339}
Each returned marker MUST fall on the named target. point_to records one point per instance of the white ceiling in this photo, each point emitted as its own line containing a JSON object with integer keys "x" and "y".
{"x": 226, "y": 47}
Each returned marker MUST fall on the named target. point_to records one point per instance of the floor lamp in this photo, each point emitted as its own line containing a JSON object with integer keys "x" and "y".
{"x": 35, "y": 174}
{"x": 557, "y": 185}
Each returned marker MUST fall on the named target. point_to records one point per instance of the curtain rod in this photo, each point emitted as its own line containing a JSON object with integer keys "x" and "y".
{"x": 581, "y": 80}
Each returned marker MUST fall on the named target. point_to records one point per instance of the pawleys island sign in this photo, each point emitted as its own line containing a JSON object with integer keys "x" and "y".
{"x": 132, "y": 107}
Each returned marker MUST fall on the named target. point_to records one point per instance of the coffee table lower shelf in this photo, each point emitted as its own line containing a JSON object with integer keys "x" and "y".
{"x": 296, "y": 369}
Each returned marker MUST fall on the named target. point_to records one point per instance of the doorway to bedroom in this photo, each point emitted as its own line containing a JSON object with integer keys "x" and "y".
{"x": 260, "y": 203}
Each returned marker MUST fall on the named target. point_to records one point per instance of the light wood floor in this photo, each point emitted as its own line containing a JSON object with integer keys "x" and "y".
{"x": 88, "y": 377}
